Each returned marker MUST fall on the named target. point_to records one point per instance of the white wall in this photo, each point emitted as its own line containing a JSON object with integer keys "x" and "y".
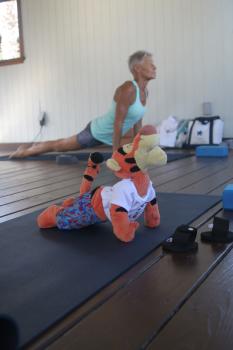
{"x": 76, "y": 54}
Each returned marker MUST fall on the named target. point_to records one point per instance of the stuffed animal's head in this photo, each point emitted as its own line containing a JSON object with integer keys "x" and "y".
{"x": 137, "y": 156}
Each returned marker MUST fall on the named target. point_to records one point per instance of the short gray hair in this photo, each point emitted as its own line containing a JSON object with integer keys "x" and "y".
{"x": 137, "y": 57}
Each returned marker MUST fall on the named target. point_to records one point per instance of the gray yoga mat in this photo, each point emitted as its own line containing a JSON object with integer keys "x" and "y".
{"x": 45, "y": 274}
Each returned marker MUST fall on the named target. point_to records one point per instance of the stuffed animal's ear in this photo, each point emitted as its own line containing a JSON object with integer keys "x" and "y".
{"x": 127, "y": 148}
{"x": 113, "y": 165}
{"x": 156, "y": 157}
{"x": 149, "y": 141}
{"x": 157, "y": 139}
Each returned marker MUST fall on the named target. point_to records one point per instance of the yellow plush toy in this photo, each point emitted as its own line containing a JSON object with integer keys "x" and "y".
{"x": 121, "y": 203}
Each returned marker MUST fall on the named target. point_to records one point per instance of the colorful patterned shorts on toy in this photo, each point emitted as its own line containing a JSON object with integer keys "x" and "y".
{"x": 78, "y": 215}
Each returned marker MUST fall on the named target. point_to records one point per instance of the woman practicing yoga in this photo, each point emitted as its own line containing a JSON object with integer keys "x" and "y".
{"x": 126, "y": 112}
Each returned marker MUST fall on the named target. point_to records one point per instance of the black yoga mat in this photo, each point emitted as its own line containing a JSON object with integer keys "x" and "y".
{"x": 71, "y": 157}
{"x": 53, "y": 156}
{"x": 46, "y": 274}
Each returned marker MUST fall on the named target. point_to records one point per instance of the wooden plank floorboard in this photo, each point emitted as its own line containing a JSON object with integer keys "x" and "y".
{"x": 205, "y": 320}
{"x": 32, "y": 176}
{"x": 219, "y": 189}
{"x": 17, "y": 171}
{"x": 185, "y": 180}
{"x": 71, "y": 182}
{"x": 211, "y": 181}
{"x": 8, "y": 166}
{"x": 175, "y": 174}
{"x": 34, "y": 190}
{"x": 43, "y": 195}
{"x": 24, "y": 165}
{"x": 37, "y": 199}
{"x": 37, "y": 182}
{"x": 51, "y": 170}
{"x": 42, "y": 182}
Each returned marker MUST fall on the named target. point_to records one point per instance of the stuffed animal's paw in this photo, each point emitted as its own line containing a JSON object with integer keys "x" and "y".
{"x": 129, "y": 233}
{"x": 48, "y": 217}
{"x": 152, "y": 216}
{"x": 152, "y": 222}
{"x": 68, "y": 202}
{"x": 133, "y": 227}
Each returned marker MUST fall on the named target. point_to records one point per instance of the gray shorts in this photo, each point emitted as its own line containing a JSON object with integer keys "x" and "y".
{"x": 86, "y": 139}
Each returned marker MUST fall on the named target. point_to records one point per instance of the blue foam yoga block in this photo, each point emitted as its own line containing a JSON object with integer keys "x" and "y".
{"x": 228, "y": 197}
{"x": 212, "y": 151}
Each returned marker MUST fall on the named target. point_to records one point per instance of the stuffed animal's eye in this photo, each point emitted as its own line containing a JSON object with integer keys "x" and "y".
{"x": 121, "y": 151}
{"x": 127, "y": 148}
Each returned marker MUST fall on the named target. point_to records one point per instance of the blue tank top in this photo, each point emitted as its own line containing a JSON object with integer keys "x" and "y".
{"x": 102, "y": 126}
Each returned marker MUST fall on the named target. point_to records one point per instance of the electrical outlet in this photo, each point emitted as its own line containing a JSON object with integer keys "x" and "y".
{"x": 43, "y": 119}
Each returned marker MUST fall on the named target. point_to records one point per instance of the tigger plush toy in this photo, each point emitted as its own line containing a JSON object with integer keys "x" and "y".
{"x": 121, "y": 203}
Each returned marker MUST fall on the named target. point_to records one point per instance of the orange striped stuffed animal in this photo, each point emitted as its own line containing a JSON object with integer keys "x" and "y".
{"x": 121, "y": 203}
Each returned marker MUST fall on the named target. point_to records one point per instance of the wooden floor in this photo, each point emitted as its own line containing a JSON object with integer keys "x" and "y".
{"x": 164, "y": 302}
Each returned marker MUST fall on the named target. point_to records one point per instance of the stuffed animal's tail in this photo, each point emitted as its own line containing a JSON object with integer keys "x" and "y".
{"x": 92, "y": 170}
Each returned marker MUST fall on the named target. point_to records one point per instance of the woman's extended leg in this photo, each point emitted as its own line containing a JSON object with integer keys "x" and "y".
{"x": 61, "y": 145}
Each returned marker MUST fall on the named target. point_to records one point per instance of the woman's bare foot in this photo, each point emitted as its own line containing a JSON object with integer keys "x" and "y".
{"x": 60, "y": 145}
{"x": 20, "y": 152}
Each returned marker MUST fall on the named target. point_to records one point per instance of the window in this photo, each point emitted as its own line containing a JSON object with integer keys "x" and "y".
{"x": 11, "y": 40}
